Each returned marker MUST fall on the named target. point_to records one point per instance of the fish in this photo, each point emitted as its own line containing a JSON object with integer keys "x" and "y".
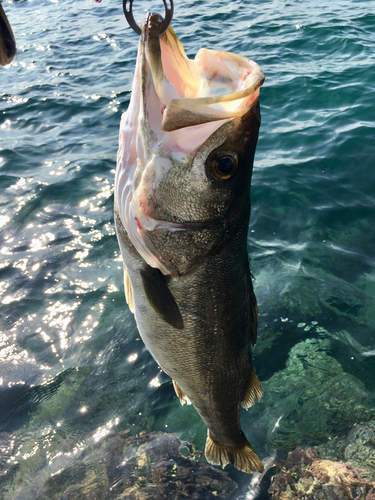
{"x": 7, "y": 41}
{"x": 181, "y": 208}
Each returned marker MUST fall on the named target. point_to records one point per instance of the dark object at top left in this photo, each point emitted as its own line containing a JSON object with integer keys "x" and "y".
{"x": 7, "y": 41}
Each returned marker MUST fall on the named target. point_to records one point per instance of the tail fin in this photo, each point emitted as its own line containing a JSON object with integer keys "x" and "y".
{"x": 243, "y": 458}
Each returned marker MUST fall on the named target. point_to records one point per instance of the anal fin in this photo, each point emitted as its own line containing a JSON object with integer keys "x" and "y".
{"x": 128, "y": 291}
{"x": 242, "y": 457}
{"x": 254, "y": 391}
{"x": 180, "y": 393}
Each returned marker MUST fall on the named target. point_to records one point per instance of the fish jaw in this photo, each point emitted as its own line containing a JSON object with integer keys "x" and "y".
{"x": 177, "y": 105}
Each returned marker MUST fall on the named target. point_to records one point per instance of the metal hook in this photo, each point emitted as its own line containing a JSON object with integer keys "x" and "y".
{"x": 134, "y": 25}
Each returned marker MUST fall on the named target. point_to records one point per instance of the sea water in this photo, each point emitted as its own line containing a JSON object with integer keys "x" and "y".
{"x": 72, "y": 366}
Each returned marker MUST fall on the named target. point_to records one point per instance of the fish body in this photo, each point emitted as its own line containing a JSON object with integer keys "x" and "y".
{"x": 182, "y": 208}
{"x": 7, "y": 40}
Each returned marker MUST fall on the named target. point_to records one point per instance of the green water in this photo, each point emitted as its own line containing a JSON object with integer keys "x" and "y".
{"x": 72, "y": 367}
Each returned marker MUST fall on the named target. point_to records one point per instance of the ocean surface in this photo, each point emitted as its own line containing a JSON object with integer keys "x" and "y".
{"x": 73, "y": 369}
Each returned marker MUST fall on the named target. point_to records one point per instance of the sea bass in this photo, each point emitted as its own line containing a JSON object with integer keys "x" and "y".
{"x": 182, "y": 208}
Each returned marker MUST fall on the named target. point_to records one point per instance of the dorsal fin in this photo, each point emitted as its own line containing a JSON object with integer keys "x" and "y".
{"x": 160, "y": 297}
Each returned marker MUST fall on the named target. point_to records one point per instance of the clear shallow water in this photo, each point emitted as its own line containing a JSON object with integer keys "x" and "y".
{"x": 72, "y": 367}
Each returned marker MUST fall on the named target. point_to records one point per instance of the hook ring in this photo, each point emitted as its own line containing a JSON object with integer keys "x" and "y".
{"x": 129, "y": 16}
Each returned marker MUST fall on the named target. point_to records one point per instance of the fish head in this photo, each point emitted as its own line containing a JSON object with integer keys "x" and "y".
{"x": 186, "y": 149}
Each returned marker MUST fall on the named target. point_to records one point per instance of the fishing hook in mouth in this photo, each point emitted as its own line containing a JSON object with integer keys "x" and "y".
{"x": 129, "y": 16}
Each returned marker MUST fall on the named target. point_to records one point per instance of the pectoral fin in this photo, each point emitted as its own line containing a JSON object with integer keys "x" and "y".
{"x": 128, "y": 291}
{"x": 180, "y": 393}
{"x": 254, "y": 391}
{"x": 160, "y": 297}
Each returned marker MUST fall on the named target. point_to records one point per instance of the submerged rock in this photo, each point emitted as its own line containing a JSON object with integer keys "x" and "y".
{"x": 145, "y": 467}
{"x": 307, "y": 403}
{"x": 357, "y": 447}
{"x": 304, "y": 475}
{"x": 154, "y": 469}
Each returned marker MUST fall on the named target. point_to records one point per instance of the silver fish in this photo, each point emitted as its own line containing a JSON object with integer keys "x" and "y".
{"x": 182, "y": 208}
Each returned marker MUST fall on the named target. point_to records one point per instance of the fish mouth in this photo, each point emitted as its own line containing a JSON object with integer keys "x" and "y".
{"x": 214, "y": 86}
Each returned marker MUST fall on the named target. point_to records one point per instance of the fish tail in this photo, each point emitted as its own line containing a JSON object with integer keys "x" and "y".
{"x": 242, "y": 457}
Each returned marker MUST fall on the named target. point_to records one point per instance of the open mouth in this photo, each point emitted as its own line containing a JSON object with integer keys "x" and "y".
{"x": 214, "y": 86}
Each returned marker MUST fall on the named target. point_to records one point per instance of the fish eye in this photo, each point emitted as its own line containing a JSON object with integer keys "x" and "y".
{"x": 223, "y": 165}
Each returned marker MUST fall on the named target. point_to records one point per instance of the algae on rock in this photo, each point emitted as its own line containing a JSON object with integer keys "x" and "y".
{"x": 305, "y": 476}
{"x": 356, "y": 447}
{"x": 307, "y": 403}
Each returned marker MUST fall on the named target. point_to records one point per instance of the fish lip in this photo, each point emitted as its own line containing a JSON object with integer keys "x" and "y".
{"x": 152, "y": 25}
{"x": 154, "y": 20}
